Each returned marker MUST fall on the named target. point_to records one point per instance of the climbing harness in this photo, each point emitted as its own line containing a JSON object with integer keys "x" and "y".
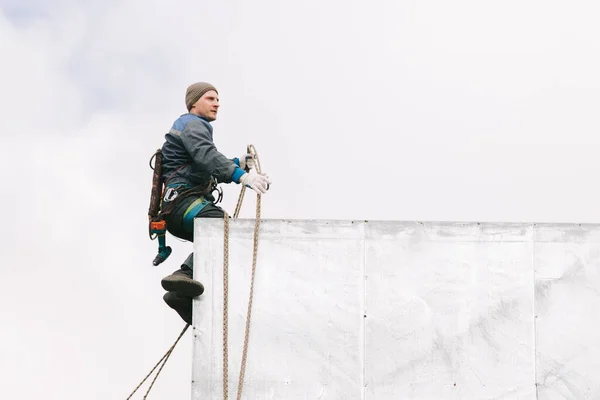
{"x": 251, "y": 150}
{"x": 162, "y": 200}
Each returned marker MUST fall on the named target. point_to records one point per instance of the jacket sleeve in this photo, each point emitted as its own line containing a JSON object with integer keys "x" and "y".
{"x": 197, "y": 140}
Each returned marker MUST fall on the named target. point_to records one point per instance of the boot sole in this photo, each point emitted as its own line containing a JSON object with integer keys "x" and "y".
{"x": 180, "y": 305}
{"x": 183, "y": 286}
{"x": 174, "y": 301}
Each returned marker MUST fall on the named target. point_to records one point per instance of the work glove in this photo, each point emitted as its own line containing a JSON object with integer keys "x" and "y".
{"x": 247, "y": 160}
{"x": 258, "y": 183}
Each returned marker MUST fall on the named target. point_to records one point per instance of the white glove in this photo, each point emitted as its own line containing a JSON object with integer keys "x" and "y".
{"x": 247, "y": 160}
{"x": 258, "y": 183}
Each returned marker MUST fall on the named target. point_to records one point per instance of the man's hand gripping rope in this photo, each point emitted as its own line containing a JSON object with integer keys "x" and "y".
{"x": 254, "y": 178}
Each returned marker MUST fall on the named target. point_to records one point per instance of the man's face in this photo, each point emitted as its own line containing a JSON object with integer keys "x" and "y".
{"x": 207, "y": 106}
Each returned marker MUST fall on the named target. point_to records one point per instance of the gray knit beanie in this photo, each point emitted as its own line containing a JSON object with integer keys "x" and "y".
{"x": 195, "y": 91}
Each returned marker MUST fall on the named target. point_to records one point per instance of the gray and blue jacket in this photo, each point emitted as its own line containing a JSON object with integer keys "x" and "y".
{"x": 190, "y": 156}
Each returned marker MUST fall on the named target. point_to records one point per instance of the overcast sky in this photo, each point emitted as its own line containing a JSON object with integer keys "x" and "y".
{"x": 405, "y": 110}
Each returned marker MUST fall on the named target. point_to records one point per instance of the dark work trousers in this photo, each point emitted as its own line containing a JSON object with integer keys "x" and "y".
{"x": 175, "y": 226}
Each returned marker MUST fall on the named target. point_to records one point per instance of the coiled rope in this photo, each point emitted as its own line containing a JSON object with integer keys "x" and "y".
{"x": 251, "y": 150}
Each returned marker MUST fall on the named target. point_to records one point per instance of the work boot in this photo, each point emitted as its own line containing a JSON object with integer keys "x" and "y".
{"x": 183, "y": 305}
{"x": 181, "y": 282}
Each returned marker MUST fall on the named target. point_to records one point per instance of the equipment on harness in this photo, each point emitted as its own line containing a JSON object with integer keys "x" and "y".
{"x": 157, "y": 185}
{"x": 160, "y": 229}
{"x": 157, "y": 225}
{"x": 215, "y": 188}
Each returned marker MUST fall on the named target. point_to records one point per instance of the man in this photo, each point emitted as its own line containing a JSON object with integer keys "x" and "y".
{"x": 192, "y": 166}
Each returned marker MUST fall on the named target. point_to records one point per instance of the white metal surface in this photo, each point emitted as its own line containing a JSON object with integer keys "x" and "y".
{"x": 567, "y": 306}
{"x": 401, "y": 310}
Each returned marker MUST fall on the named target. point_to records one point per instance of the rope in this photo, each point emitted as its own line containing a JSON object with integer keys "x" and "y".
{"x": 225, "y": 304}
{"x": 251, "y": 150}
{"x": 165, "y": 358}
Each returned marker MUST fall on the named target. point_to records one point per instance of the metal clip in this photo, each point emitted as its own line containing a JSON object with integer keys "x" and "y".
{"x": 170, "y": 195}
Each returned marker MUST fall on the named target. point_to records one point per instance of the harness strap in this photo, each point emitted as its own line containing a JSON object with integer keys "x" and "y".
{"x": 178, "y": 184}
{"x": 192, "y": 211}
